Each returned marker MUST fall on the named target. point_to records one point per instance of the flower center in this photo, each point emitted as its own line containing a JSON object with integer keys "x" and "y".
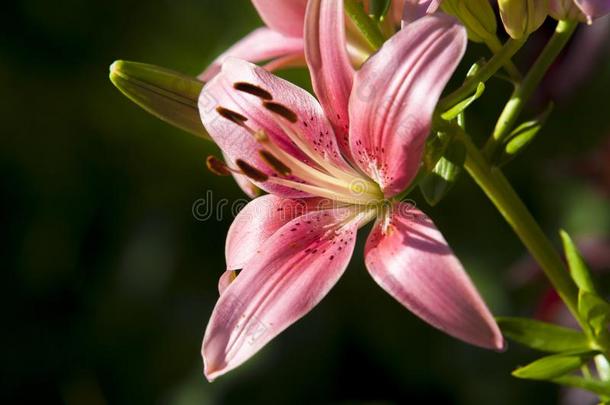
{"x": 320, "y": 176}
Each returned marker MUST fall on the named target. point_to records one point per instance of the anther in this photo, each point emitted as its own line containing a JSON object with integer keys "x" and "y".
{"x": 275, "y": 163}
{"x": 217, "y": 166}
{"x": 251, "y": 171}
{"x": 253, "y": 89}
{"x": 231, "y": 115}
{"x": 281, "y": 110}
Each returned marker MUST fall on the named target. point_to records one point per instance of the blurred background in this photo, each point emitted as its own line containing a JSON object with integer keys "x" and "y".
{"x": 108, "y": 279}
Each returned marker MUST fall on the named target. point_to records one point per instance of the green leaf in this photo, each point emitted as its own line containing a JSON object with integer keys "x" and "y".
{"x": 595, "y": 311}
{"x": 462, "y": 105}
{"x": 365, "y": 24}
{"x": 166, "y": 94}
{"x": 578, "y": 269}
{"x": 589, "y": 384}
{"x": 543, "y": 336}
{"x": 522, "y": 136}
{"x": 553, "y": 366}
{"x": 379, "y": 8}
{"x": 436, "y": 184}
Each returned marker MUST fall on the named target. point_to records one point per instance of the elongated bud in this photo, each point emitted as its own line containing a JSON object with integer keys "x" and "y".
{"x": 477, "y": 16}
{"x": 168, "y": 95}
{"x": 251, "y": 171}
{"x": 217, "y": 166}
{"x": 522, "y": 17}
{"x": 578, "y": 10}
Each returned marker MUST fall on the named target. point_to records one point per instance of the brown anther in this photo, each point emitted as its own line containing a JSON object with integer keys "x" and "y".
{"x": 253, "y": 89}
{"x": 282, "y": 110}
{"x": 217, "y": 166}
{"x": 250, "y": 171}
{"x": 275, "y": 163}
{"x": 231, "y": 115}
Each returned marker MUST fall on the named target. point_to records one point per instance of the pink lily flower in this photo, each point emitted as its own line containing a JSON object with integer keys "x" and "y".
{"x": 580, "y": 10}
{"x": 280, "y": 42}
{"x": 330, "y": 169}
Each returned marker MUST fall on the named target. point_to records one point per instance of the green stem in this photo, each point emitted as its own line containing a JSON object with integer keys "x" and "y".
{"x": 494, "y": 45}
{"x": 503, "y": 196}
{"x": 369, "y": 28}
{"x": 485, "y": 73}
{"x": 524, "y": 91}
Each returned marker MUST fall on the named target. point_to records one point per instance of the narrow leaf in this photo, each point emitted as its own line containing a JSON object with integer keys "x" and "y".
{"x": 578, "y": 269}
{"x": 168, "y": 95}
{"x": 522, "y": 136}
{"x": 553, "y": 366}
{"x": 462, "y": 105}
{"x": 543, "y": 336}
{"x": 379, "y": 8}
{"x": 595, "y": 310}
{"x": 437, "y": 184}
{"x": 589, "y": 384}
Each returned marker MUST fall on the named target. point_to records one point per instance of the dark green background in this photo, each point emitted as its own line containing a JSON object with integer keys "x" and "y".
{"x": 108, "y": 280}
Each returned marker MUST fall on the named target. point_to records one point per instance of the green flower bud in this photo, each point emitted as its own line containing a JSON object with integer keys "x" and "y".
{"x": 522, "y": 17}
{"x": 477, "y": 16}
{"x": 168, "y": 95}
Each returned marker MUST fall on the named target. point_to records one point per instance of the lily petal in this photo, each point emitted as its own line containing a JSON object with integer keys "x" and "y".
{"x": 415, "y": 9}
{"x": 411, "y": 260}
{"x": 329, "y": 64}
{"x": 394, "y": 95}
{"x": 285, "y": 16}
{"x": 295, "y": 269}
{"x": 238, "y": 143}
{"x": 262, "y": 44}
{"x": 225, "y": 280}
{"x": 258, "y": 221}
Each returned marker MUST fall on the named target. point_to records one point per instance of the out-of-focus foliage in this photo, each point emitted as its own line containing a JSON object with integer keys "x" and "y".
{"x": 109, "y": 279}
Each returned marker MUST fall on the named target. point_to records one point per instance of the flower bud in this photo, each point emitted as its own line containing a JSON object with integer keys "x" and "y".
{"x": 566, "y": 10}
{"x": 477, "y": 16}
{"x": 168, "y": 95}
{"x": 522, "y": 17}
{"x": 579, "y": 10}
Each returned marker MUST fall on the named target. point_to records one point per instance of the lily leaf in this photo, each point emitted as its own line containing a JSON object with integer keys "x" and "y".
{"x": 523, "y": 135}
{"x": 379, "y": 8}
{"x": 589, "y": 384}
{"x": 436, "y": 184}
{"x": 578, "y": 269}
{"x": 462, "y": 105}
{"x": 543, "y": 336}
{"x": 553, "y": 366}
{"x": 595, "y": 310}
{"x": 166, "y": 94}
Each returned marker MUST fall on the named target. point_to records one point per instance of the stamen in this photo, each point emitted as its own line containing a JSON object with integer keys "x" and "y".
{"x": 217, "y": 166}
{"x": 275, "y": 163}
{"x": 251, "y": 171}
{"x": 231, "y": 115}
{"x": 253, "y": 89}
{"x": 282, "y": 110}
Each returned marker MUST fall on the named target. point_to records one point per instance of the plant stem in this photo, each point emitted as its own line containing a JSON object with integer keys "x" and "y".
{"x": 485, "y": 73}
{"x": 369, "y": 28}
{"x": 494, "y": 45}
{"x": 503, "y": 196}
{"x": 524, "y": 91}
